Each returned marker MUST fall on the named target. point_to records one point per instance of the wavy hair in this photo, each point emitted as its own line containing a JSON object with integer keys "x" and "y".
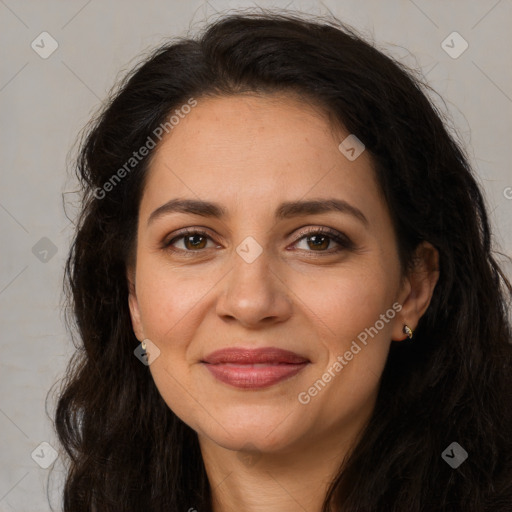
{"x": 127, "y": 451}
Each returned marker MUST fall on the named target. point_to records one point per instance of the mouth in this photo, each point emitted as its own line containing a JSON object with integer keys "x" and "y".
{"x": 254, "y": 368}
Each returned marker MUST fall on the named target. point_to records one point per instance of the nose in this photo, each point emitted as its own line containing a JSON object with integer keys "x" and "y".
{"x": 254, "y": 294}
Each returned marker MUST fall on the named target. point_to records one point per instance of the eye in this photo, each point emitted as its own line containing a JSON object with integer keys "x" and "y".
{"x": 193, "y": 240}
{"x": 319, "y": 240}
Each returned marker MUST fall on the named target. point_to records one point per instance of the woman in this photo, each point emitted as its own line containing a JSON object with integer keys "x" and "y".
{"x": 283, "y": 284}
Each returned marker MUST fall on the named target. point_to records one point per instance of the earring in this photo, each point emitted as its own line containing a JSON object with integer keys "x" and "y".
{"x": 143, "y": 344}
{"x": 407, "y": 330}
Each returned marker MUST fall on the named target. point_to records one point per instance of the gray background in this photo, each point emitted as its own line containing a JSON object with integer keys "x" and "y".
{"x": 45, "y": 102}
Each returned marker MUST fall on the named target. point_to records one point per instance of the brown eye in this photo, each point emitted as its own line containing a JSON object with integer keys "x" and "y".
{"x": 322, "y": 240}
{"x": 318, "y": 241}
{"x": 191, "y": 241}
{"x": 194, "y": 241}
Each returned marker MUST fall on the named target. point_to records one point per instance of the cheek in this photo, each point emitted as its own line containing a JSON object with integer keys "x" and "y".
{"x": 168, "y": 303}
{"x": 169, "y": 308}
{"x": 354, "y": 344}
{"x": 349, "y": 302}
{"x": 356, "y": 319}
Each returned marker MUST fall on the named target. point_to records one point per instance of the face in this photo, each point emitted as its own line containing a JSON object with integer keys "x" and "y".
{"x": 324, "y": 284}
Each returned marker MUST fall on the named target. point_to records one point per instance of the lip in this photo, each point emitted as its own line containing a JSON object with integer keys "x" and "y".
{"x": 254, "y": 368}
{"x": 239, "y": 355}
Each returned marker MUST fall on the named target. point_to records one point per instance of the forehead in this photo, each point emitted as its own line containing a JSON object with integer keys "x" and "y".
{"x": 250, "y": 150}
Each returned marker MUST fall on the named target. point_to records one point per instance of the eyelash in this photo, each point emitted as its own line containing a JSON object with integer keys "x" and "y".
{"x": 342, "y": 240}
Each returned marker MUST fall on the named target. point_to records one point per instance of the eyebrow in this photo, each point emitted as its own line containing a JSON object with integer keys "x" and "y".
{"x": 285, "y": 210}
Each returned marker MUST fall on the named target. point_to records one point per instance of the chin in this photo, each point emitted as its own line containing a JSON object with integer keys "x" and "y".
{"x": 250, "y": 429}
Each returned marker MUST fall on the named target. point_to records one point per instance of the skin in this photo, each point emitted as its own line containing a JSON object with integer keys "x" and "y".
{"x": 250, "y": 153}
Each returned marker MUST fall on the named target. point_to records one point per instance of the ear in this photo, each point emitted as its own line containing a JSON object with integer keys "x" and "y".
{"x": 417, "y": 288}
{"x": 134, "y": 305}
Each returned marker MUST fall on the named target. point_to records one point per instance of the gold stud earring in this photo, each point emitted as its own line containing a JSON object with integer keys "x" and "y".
{"x": 407, "y": 330}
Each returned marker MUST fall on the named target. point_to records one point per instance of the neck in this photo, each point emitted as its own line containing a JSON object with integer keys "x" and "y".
{"x": 293, "y": 479}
